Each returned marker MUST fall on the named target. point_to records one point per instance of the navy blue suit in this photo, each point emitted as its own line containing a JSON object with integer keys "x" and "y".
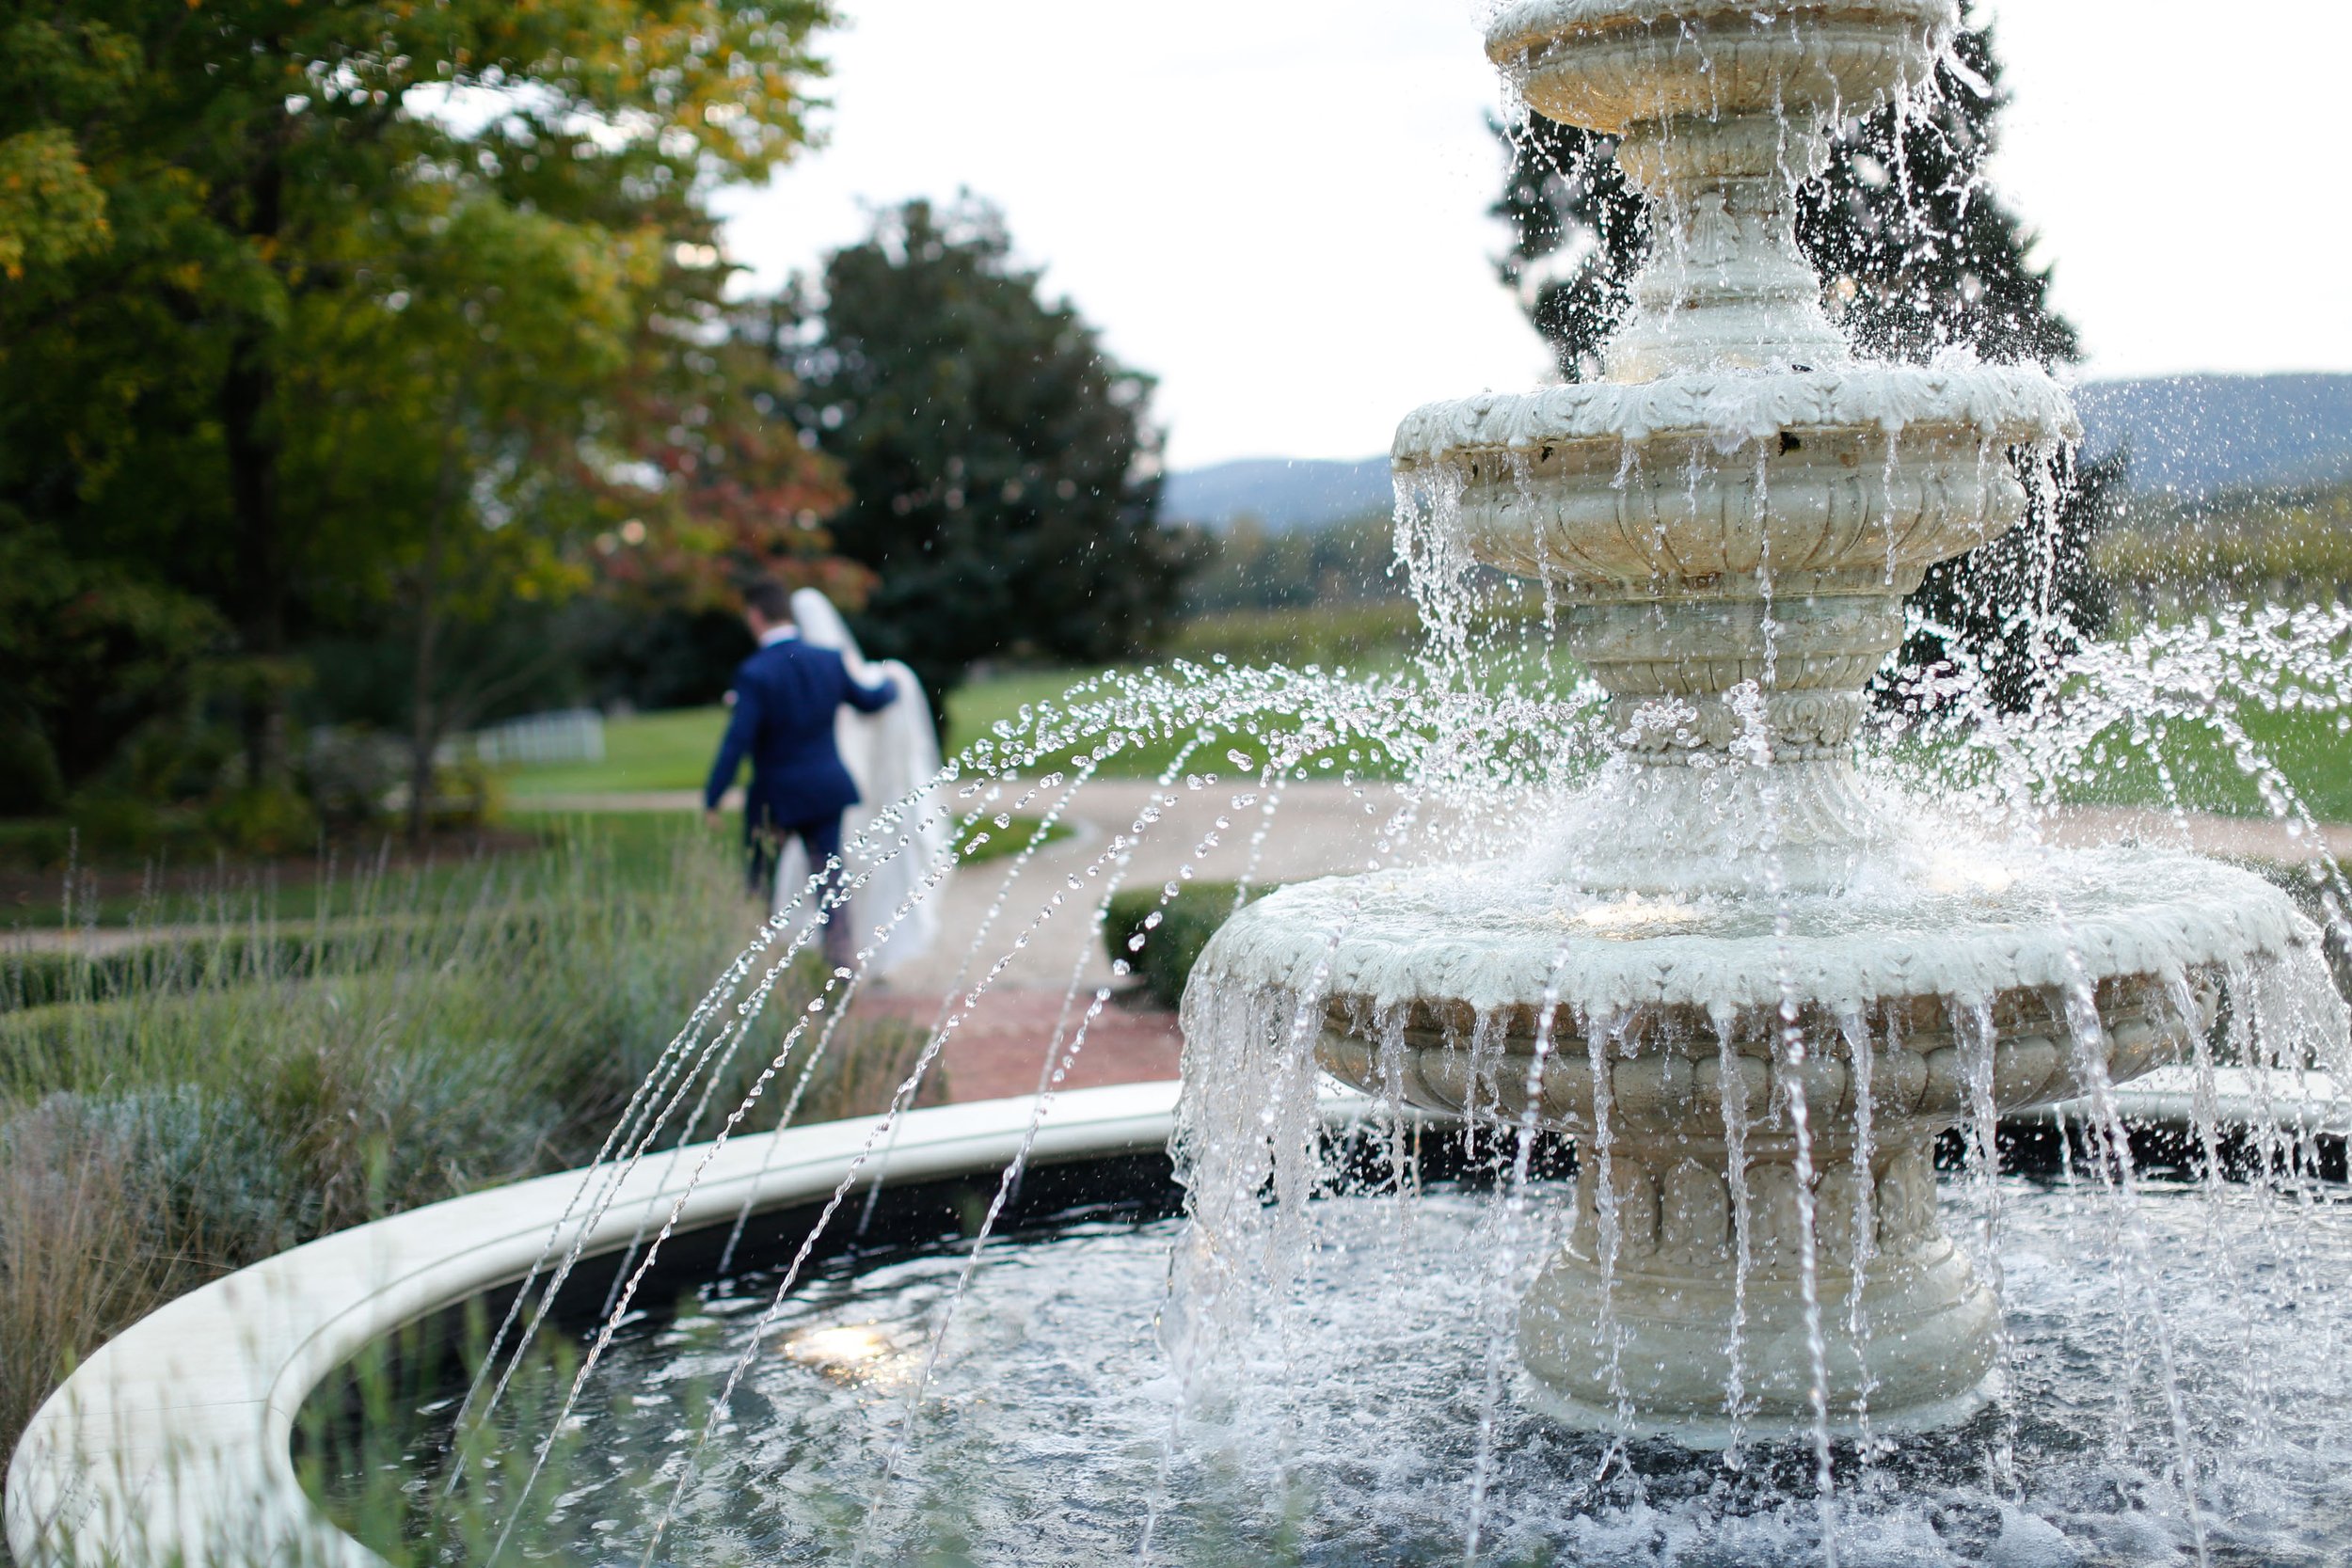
{"x": 786, "y": 697}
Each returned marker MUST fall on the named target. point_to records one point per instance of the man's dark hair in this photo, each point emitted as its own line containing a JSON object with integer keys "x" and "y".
{"x": 771, "y": 599}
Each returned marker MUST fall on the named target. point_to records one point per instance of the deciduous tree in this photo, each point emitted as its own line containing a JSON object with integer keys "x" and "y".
{"x": 318, "y": 312}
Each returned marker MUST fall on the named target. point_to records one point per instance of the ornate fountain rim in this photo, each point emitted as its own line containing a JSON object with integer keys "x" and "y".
{"x": 2002, "y": 404}
{"x": 1529, "y": 22}
{"x": 2180, "y": 914}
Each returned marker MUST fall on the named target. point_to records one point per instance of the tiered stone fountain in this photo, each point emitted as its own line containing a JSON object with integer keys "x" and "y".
{"x": 1753, "y": 986}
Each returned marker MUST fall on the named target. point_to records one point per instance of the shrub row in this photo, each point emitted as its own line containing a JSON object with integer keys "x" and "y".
{"x": 1161, "y": 937}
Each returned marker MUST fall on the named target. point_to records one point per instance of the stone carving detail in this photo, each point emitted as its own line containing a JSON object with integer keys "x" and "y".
{"x": 1789, "y": 725}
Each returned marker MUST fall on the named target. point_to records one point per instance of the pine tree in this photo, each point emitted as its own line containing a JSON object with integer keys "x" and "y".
{"x": 1003, "y": 470}
{"x": 1919, "y": 258}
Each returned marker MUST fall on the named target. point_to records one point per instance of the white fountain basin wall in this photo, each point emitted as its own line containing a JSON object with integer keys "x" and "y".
{"x": 173, "y": 1442}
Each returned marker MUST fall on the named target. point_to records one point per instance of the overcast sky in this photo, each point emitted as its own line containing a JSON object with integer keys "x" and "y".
{"x": 1279, "y": 206}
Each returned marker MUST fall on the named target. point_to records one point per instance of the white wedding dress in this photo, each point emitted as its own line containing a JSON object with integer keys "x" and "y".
{"x": 893, "y": 755}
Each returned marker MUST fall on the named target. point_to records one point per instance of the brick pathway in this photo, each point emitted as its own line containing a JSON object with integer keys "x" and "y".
{"x": 1000, "y": 1048}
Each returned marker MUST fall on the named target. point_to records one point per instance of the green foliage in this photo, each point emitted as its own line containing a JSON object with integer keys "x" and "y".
{"x": 370, "y": 319}
{"x": 91, "y": 653}
{"x": 1004, "y": 475}
{"x": 2251, "y": 546}
{"x": 50, "y": 212}
{"x": 1250, "y": 566}
{"x": 2023, "y": 603}
{"x": 1161, "y": 937}
{"x": 1917, "y": 255}
{"x": 1580, "y": 232}
{"x": 1917, "y": 252}
{"x": 261, "y": 820}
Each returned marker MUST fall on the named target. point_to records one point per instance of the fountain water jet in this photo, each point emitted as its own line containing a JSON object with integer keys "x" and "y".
{"x": 1753, "y": 986}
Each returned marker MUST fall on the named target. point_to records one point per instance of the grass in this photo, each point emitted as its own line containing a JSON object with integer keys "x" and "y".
{"x": 1376, "y": 634}
{"x": 224, "y": 1097}
{"x": 342, "y": 881}
{"x": 2309, "y": 749}
{"x": 2306, "y": 746}
{"x": 672, "y": 750}
{"x": 664, "y": 750}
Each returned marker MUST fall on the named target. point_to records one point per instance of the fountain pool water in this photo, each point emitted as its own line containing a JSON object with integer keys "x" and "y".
{"x": 1043, "y": 1431}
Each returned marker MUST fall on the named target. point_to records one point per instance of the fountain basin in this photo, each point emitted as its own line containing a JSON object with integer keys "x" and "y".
{"x": 1042, "y": 1430}
{"x": 1763, "y": 1079}
{"x": 172, "y": 1442}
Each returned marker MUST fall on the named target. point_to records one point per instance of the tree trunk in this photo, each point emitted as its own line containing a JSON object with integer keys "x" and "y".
{"x": 424, "y": 729}
{"x": 260, "y": 599}
{"x": 426, "y": 711}
{"x": 248, "y": 393}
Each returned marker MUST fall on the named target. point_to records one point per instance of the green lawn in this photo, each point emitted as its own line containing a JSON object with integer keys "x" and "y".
{"x": 674, "y": 749}
{"x": 637, "y": 852}
{"x": 645, "y": 751}
{"x": 2309, "y": 749}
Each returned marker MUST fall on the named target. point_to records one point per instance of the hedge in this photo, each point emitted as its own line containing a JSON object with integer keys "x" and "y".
{"x": 1172, "y": 931}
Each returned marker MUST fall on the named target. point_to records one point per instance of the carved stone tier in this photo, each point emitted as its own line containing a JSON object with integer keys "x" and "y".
{"x": 1846, "y": 481}
{"x": 1612, "y": 64}
{"x": 1739, "y": 504}
{"x": 1982, "y": 985}
{"x": 1689, "y": 554}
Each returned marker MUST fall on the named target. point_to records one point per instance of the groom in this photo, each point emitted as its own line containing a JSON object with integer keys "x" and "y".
{"x": 785, "y": 697}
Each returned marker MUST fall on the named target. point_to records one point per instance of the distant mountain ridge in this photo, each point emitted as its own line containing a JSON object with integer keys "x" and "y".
{"x": 2194, "y": 435}
{"x": 2189, "y": 436}
{"x": 1280, "y": 492}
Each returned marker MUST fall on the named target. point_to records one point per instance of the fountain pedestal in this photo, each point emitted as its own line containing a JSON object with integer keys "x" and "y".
{"x": 1673, "y": 1336}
